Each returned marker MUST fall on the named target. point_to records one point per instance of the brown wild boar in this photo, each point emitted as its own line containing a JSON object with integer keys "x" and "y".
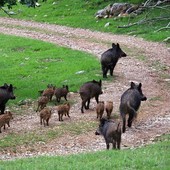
{"x": 63, "y": 110}
{"x": 45, "y": 115}
{"x": 42, "y": 102}
{"x": 100, "y": 109}
{"x": 49, "y": 92}
{"x": 109, "y": 108}
{"x": 5, "y": 119}
{"x": 61, "y": 92}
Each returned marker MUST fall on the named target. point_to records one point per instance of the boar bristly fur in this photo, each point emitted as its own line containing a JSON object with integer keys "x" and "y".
{"x": 63, "y": 110}
{"x": 100, "y": 109}
{"x": 42, "y": 102}
{"x": 45, "y": 115}
{"x": 61, "y": 92}
{"x": 89, "y": 90}
{"x": 5, "y": 119}
{"x": 111, "y": 132}
{"x": 109, "y": 108}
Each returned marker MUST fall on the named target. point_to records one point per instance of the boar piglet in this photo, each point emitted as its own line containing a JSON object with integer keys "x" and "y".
{"x": 5, "y": 119}
{"x": 49, "y": 92}
{"x": 61, "y": 92}
{"x": 63, "y": 110}
{"x": 42, "y": 102}
{"x": 130, "y": 103}
{"x": 100, "y": 109}
{"x": 45, "y": 115}
{"x": 109, "y": 108}
{"x": 89, "y": 90}
{"x": 6, "y": 93}
{"x": 109, "y": 59}
{"x": 111, "y": 132}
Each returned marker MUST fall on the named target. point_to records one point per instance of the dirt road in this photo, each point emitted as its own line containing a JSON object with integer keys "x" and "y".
{"x": 154, "y": 73}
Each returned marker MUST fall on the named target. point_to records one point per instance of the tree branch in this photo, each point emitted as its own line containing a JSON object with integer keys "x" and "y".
{"x": 5, "y": 11}
{"x": 143, "y": 21}
{"x": 163, "y": 28}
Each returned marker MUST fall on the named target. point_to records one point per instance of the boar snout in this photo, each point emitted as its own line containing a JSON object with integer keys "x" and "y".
{"x": 97, "y": 133}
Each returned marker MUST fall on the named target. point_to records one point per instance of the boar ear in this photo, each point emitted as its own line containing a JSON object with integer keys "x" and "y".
{"x": 140, "y": 85}
{"x": 132, "y": 85}
{"x": 117, "y": 45}
{"x": 10, "y": 87}
{"x": 113, "y": 45}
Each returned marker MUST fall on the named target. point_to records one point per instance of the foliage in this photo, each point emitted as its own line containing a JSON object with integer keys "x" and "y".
{"x": 82, "y": 14}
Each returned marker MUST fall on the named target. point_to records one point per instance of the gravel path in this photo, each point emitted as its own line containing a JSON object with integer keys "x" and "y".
{"x": 154, "y": 115}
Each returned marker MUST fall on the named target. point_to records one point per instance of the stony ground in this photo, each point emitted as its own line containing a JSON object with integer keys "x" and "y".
{"x": 154, "y": 73}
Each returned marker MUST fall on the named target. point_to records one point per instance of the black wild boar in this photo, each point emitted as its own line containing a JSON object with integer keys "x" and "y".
{"x": 111, "y": 132}
{"x": 89, "y": 90}
{"x": 6, "y": 93}
{"x": 109, "y": 59}
{"x": 61, "y": 92}
{"x": 130, "y": 103}
{"x": 100, "y": 109}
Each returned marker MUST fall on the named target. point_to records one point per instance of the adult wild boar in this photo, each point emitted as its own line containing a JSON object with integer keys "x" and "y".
{"x": 6, "y": 93}
{"x": 130, "y": 103}
{"x": 89, "y": 90}
{"x": 109, "y": 59}
{"x": 111, "y": 132}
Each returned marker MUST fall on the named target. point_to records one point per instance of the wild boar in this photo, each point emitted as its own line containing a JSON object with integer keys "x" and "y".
{"x": 130, "y": 103}
{"x": 49, "y": 92}
{"x": 6, "y": 93}
{"x": 63, "y": 110}
{"x": 110, "y": 58}
{"x": 5, "y": 119}
{"x": 61, "y": 92}
{"x": 89, "y": 90}
{"x": 45, "y": 115}
{"x": 111, "y": 132}
{"x": 109, "y": 108}
{"x": 100, "y": 109}
{"x": 42, "y": 102}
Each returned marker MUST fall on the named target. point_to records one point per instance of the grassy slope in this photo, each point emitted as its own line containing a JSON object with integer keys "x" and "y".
{"x": 150, "y": 157}
{"x": 30, "y": 65}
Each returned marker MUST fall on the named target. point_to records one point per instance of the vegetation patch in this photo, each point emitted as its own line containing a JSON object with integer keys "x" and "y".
{"x": 30, "y": 65}
{"x": 157, "y": 158}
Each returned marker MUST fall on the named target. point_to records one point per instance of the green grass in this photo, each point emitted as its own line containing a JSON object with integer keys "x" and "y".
{"x": 153, "y": 157}
{"x": 30, "y": 65}
{"x": 81, "y": 13}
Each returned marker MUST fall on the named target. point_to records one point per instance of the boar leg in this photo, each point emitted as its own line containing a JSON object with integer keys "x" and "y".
{"x": 105, "y": 70}
{"x": 47, "y": 122}
{"x": 114, "y": 144}
{"x": 65, "y": 98}
{"x": 88, "y": 103}
{"x": 83, "y": 105}
{"x": 130, "y": 119}
{"x": 124, "y": 123}
{"x": 97, "y": 99}
{"x": 107, "y": 146}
